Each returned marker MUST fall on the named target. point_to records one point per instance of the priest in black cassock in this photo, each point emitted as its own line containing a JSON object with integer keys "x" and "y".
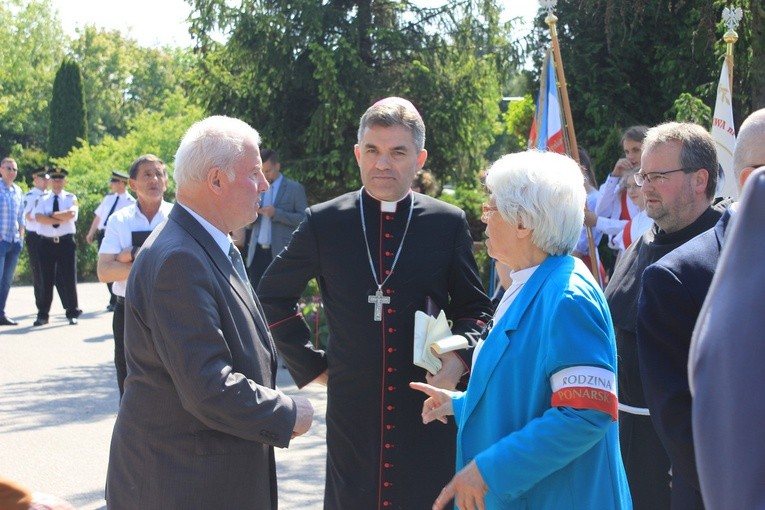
{"x": 379, "y": 254}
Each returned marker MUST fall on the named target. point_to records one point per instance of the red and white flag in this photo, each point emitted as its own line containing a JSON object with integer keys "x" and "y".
{"x": 547, "y": 127}
{"x": 724, "y": 135}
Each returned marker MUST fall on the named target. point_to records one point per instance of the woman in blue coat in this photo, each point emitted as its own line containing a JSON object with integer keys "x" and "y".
{"x": 537, "y": 425}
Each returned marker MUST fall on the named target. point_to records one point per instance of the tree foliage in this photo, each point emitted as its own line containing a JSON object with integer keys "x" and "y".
{"x": 32, "y": 48}
{"x": 155, "y": 132}
{"x": 303, "y": 72}
{"x": 628, "y": 61}
{"x": 68, "y": 111}
{"x": 123, "y": 79}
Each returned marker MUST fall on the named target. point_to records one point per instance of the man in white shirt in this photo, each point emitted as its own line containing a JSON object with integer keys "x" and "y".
{"x": 125, "y": 229}
{"x": 39, "y": 191}
{"x": 56, "y": 215}
{"x": 113, "y": 202}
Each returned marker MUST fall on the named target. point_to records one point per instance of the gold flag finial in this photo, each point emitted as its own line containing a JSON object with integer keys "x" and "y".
{"x": 731, "y": 17}
{"x": 549, "y": 6}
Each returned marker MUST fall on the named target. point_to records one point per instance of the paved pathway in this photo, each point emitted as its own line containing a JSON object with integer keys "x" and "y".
{"x": 59, "y": 398}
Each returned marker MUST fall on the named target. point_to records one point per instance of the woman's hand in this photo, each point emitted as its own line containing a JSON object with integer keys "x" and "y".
{"x": 438, "y": 405}
{"x": 467, "y": 489}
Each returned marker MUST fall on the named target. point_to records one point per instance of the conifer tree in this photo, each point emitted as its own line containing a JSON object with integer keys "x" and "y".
{"x": 68, "y": 111}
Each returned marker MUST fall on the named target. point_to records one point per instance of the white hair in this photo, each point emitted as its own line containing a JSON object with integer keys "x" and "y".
{"x": 216, "y": 141}
{"x": 544, "y": 192}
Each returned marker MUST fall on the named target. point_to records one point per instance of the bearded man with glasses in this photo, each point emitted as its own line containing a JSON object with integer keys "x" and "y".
{"x": 678, "y": 172}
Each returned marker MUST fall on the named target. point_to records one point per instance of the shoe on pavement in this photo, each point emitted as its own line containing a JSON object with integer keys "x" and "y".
{"x": 110, "y": 307}
{"x": 40, "y": 322}
{"x": 5, "y": 321}
{"x": 72, "y": 321}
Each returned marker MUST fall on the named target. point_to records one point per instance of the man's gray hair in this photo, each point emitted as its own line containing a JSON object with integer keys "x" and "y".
{"x": 544, "y": 192}
{"x": 394, "y": 111}
{"x": 216, "y": 141}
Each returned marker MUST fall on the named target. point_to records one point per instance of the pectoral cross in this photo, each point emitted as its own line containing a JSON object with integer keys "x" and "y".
{"x": 378, "y": 299}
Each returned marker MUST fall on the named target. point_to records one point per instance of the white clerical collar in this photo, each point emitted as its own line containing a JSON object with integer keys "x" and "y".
{"x": 388, "y": 206}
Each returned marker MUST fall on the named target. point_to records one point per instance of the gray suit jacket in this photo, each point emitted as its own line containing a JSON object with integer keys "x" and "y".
{"x": 290, "y": 204}
{"x": 726, "y": 362}
{"x": 200, "y": 414}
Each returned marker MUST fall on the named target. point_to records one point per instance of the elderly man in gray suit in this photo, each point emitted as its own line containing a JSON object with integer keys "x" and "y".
{"x": 201, "y": 413}
{"x": 282, "y": 209}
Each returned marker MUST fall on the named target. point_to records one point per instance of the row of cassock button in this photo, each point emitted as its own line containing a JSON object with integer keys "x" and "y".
{"x": 389, "y": 427}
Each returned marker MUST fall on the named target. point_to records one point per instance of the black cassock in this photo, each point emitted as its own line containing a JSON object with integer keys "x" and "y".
{"x": 379, "y": 454}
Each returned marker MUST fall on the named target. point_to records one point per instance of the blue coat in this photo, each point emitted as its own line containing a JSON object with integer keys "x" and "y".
{"x": 531, "y": 454}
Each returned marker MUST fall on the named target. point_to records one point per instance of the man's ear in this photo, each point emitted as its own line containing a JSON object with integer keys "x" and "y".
{"x": 422, "y": 157}
{"x": 743, "y": 176}
{"x": 215, "y": 178}
{"x": 702, "y": 177}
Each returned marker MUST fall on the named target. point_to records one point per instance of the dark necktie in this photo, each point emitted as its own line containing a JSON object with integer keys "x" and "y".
{"x": 236, "y": 259}
{"x": 55, "y": 209}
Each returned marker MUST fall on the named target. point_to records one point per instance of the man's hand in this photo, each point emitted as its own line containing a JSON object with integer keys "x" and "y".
{"x": 621, "y": 166}
{"x": 452, "y": 370}
{"x": 304, "y": 417}
{"x": 89, "y": 237}
{"x": 267, "y": 211}
{"x": 439, "y": 404}
{"x": 467, "y": 489}
{"x": 125, "y": 256}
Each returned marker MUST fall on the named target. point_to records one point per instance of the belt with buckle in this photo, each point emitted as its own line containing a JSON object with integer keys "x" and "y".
{"x": 264, "y": 246}
{"x": 120, "y": 300}
{"x": 56, "y": 239}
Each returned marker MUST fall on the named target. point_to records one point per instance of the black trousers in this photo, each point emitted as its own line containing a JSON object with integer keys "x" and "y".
{"x": 32, "y": 240}
{"x": 645, "y": 461}
{"x": 118, "y": 328}
{"x": 100, "y": 239}
{"x": 58, "y": 266}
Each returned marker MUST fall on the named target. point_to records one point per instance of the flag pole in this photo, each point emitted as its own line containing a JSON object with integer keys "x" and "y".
{"x": 551, "y": 20}
{"x": 731, "y": 17}
{"x": 723, "y": 125}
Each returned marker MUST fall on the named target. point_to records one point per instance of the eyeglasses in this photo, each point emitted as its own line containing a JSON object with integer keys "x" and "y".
{"x": 487, "y": 210}
{"x": 659, "y": 177}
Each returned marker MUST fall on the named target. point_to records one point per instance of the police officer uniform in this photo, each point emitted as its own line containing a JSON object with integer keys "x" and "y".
{"x": 32, "y": 238}
{"x": 111, "y": 203}
{"x": 58, "y": 259}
